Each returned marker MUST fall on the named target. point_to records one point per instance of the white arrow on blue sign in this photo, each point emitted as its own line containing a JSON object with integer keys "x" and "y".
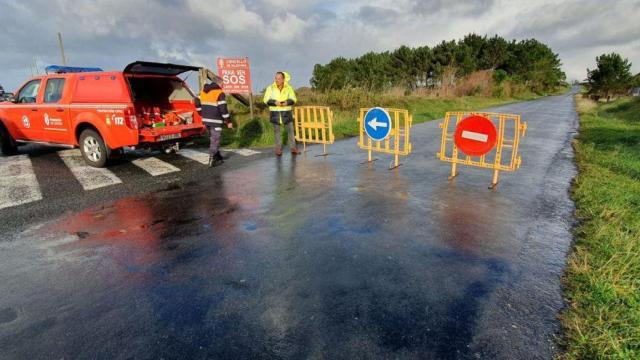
{"x": 377, "y": 123}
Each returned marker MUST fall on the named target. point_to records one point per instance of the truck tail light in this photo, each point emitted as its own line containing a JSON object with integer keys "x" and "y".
{"x": 131, "y": 119}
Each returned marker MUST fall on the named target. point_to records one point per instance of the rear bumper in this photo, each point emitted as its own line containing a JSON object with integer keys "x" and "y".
{"x": 170, "y": 134}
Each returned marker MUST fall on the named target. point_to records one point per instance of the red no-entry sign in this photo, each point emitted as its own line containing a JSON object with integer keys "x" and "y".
{"x": 475, "y": 135}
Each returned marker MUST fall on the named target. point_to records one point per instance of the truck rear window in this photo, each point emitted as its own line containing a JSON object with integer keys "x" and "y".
{"x": 158, "y": 89}
{"x": 105, "y": 88}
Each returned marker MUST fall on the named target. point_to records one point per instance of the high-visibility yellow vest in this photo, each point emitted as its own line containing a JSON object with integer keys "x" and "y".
{"x": 273, "y": 93}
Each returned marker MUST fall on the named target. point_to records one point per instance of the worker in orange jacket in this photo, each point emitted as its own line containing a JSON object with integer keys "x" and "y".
{"x": 212, "y": 106}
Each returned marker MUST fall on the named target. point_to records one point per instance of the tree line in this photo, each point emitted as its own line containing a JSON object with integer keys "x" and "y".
{"x": 611, "y": 77}
{"x": 528, "y": 61}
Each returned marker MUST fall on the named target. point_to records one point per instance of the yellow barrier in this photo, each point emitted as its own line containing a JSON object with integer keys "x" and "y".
{"x": 314, "y": 124}
{"x": 397, "y": 143}
{"x": 509, "y": 131}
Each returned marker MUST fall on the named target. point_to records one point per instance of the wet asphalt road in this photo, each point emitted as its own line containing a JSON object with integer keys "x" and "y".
{"x": 301, "y": 258}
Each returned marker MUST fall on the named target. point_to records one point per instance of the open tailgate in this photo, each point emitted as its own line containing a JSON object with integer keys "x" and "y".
{"x": 152, "y": 68}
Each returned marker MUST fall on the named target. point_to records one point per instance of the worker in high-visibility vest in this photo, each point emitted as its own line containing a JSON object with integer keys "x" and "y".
{"x": 280, "y": 97}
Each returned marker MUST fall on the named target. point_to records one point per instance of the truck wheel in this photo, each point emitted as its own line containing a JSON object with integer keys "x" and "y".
{"x": 94, "y": 151}
{"x": 7, "y": 144}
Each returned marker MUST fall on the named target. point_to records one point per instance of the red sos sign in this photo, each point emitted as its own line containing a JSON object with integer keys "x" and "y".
{"x": 235, "y": 74}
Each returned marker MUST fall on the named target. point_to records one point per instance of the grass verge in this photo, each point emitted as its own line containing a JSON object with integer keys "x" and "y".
{"x": 602, "y": 280}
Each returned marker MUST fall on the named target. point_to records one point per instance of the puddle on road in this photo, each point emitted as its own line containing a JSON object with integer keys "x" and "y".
{"x": 275, "y": 260}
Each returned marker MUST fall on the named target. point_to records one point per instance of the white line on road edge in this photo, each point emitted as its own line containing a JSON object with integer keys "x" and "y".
{"x": 154, "y": 166}
{"x": 195, "y": 155}
{"x": 18, "y": 183}
{"x": 243, "y": 152}
{"x": 89, "y": 177}
{"x": 475, "y": 136}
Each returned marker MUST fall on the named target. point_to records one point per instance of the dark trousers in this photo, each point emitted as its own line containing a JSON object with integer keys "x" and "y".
{"x": 214, "y": 137}
{"x": 290, "y": 133}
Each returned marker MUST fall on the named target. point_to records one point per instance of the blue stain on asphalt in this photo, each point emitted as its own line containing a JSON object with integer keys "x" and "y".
{"x": 336, "y": 225}
{"x": 250, "y": 227}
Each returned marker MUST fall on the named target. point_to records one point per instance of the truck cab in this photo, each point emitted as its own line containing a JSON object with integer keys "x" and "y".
{"x": 146, "y": 105}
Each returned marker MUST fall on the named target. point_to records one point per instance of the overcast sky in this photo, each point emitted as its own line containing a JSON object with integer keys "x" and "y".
{"x": 294, "y": 35}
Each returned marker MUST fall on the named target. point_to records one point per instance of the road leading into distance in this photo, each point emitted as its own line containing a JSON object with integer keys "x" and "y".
{"x": 303, "y": 258}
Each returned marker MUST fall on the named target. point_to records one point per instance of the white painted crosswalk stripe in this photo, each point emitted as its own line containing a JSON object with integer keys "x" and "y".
{"x": 154, "y": 166}
{"x": 89, "y": 177}
{"x": 18, "y": 183}
{"x": 243, "y": 152}
{"x": 195, "y": 155}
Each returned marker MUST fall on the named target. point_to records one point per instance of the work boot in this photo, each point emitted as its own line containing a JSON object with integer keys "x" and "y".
{"x": 278, "y": 151}
{"x": 213, "y": 162}
{"x": 294, "y": 151}
{"x": 218, "y": 157}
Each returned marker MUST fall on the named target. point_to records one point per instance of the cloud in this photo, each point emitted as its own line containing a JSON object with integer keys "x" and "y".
{"x": 286, "y": 28}
{"x": 452, "y": 8}
{"x": 295, "y": 35}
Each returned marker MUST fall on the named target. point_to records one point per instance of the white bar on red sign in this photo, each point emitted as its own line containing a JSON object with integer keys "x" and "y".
{"x": 475, "y": 136}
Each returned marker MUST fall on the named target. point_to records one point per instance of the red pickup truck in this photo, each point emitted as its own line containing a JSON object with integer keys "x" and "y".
{"x": 146, "y": 105}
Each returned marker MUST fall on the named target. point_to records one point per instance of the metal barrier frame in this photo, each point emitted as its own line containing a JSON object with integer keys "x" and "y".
{"x": 519, "y": 131}
{"x": 397, "y": 143}
{"x": 314, "y": 124}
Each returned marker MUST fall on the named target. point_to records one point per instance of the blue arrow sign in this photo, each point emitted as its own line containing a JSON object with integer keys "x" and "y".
{"x": 377, "y": 123}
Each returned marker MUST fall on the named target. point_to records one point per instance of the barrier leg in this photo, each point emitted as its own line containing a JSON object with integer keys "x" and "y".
{"x": 370, "y": 158}
{"x": 397, "y": 163}
{"x": 454, "y": 171}
{"x": 324, "y": 151}
{"x": 494, "y": 182}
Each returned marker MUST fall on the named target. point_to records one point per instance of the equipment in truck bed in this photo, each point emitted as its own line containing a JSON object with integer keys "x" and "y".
{"x": 146, "y": 105}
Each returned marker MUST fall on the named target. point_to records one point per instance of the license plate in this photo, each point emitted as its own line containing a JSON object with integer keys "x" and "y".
{"x": 169, "y": 137}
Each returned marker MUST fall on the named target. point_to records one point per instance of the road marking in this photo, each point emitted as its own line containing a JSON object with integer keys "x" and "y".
{"x": 195, "y": 155}
{"x": 154, "y": 166}
{"x": 243, "y": 152}
{"x": 475, "y": 136}
{"x": 89, "y": 177}
{"x": 18, "y": 182}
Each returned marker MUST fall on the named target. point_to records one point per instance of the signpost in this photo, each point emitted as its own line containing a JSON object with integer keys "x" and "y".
{"x": 236, "y": 77}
